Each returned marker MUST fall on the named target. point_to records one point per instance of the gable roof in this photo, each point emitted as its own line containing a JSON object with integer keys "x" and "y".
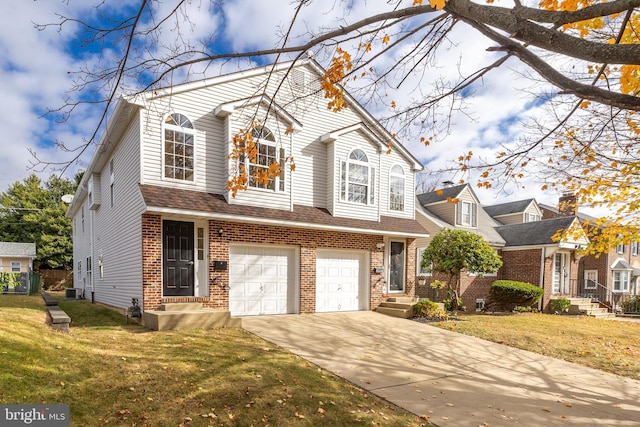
{"x": 621, "y": 264}
{"x": 441, "y": 195}
{"x": 27, "y": 250}
{"x": 486, "y": 225}
{"x": 128, "y": 106}
{"x": 169, "y": 200}
{"x": 508, "y": 208}
{"x": 534, "y": 233}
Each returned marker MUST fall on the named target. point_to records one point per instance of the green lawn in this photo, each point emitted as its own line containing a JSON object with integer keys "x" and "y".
{"x": 113, "y": 373}
{"x": 608, "y": 345}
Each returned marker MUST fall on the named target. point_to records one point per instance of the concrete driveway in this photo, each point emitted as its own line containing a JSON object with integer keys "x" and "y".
{"x": 454, "y": 379}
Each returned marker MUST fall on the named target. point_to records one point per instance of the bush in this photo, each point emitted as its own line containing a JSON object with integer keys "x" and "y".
{"x": 508, "y": 294}
{"x": 560, "y": 305}
{"x": 631, "y": 305}
{"x": 427, "y": 308}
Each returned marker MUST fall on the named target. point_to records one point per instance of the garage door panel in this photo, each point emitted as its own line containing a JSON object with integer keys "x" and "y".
{"x": 261, "y": 280}
{"x": 340, "y": 281}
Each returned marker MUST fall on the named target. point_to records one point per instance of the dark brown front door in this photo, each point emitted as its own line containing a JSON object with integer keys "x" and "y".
{"x": 177, "y": 258}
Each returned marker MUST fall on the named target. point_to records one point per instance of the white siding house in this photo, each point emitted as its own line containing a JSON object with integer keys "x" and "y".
{"x": 155, "y": 218}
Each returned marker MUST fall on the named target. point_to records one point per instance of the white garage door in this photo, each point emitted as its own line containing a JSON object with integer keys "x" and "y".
{"x": 340, "y": 281}
{"x": 261, "y": 280}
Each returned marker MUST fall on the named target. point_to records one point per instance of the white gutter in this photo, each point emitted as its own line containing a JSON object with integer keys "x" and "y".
{"x": 277, "y": 222}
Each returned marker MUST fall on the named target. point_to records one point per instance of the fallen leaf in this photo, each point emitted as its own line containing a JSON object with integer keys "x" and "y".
{"x": 321, "y": 411}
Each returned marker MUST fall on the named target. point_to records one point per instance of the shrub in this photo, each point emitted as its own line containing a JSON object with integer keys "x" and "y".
{"x": 524, "y": 309}
{"x": 560, "y": 305}
{"x": 631, "y": 305}
{"x": 508, "y": 294}
{"x": 427, "y": 308}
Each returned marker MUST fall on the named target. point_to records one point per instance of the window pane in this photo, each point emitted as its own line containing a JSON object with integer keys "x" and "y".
{"x": 358, "y": 173}
{"x": 358, "y": 193}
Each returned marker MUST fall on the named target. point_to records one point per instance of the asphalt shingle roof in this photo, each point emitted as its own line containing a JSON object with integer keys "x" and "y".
{"x": 535, "y": 232}
{"x": 508, "y": 208}
{"x": 307, "y": 216}
{"x": 440, "y": 195}
{"x": 17, "y": 249}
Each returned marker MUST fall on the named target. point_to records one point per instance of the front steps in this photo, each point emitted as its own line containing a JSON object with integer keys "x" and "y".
{"x": 586, "y": 307}
{"x": 397, "y": 307}
{"x": 191, "y": 315}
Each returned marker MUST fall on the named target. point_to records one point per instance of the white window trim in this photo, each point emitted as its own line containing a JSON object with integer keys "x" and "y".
{"x": 473, "y": 214}
{"x": 621, "y": 248}
{"x": 635, "y": 248}
{"x": 280, "y": 182}
{"x": 624, "y": 280}
{"x": 192, "y": 132}
{"x": 531, "y": 217}
{"x": 402, "y": 176}
{"x": 595, "y": 286}
{"x": 344, "y": 179}
{"x": 419, "y": 269}
{"x": 15, "y": 264}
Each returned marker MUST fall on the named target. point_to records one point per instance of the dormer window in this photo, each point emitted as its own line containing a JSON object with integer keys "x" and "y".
{"x": 467, "y": 214}
{"x": 357, "y": 179}
{"x": 396, "y": 189}
{"x": 179, "y": 138}
{"x": 267, "y": 153}
{"x": 529, "y": 217}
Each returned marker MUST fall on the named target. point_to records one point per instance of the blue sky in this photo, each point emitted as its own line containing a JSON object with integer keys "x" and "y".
{"x": 38, "y": 66}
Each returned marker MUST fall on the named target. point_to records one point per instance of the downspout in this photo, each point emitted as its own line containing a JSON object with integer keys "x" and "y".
{"x": 542, "y": 258}
{"x": 91, "y": 249}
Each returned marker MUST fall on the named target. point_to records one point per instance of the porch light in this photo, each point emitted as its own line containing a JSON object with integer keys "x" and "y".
{"x": 380, "y": 246}
{"x": 220, "y": 232}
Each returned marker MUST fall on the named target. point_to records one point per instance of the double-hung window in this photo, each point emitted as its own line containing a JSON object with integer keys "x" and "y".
{"x": 178, "y": 138}
{"x": 396, "y": 189}
{"x": 357, "y": 179}
{"x": 621, "y": 281}
{"x": 259, "y": 164}
{"x": 467, "y": 214}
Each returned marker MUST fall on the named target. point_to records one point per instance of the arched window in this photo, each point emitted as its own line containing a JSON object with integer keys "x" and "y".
{"x": 267, "y": 153}
{"x": 396, "y": 188}
{"x": 179, "y": 138}
{"x": 357, "y": 179}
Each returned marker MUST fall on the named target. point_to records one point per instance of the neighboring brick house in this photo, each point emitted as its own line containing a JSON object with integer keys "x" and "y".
{"x": 608, "y": 277}
{"x": 515, "y": 229}
{"x": 153, "y": 218}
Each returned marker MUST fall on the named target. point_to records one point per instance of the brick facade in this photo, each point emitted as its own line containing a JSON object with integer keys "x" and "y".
{"x": 307, "y": 240}
{"x": 520, "y": 265}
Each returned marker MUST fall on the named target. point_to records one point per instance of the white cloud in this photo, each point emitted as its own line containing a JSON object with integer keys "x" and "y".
{"x": 34, "y": 66}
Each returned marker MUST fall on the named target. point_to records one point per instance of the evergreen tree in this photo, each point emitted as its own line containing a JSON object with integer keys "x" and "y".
{"x": 32, "y": 211}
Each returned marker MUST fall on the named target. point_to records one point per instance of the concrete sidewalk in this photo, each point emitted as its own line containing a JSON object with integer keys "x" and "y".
{"x": 454, "y": 379}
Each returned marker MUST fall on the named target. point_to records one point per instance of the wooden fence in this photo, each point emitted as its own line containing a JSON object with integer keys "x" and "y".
{"x": 56, "y": 279}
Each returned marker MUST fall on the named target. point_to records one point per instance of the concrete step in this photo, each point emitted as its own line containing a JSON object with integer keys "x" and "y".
{"x": 402, "y": 305}
{"x": 579, "y": 301}
{"x": 582, "y": 308}
{"x": 404, "y": 313}
{"x": 407, "y": 300}
{"x": 189, "y": 319}
{"x": 603, "y": 315}
{"x": 181, "y": 306}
